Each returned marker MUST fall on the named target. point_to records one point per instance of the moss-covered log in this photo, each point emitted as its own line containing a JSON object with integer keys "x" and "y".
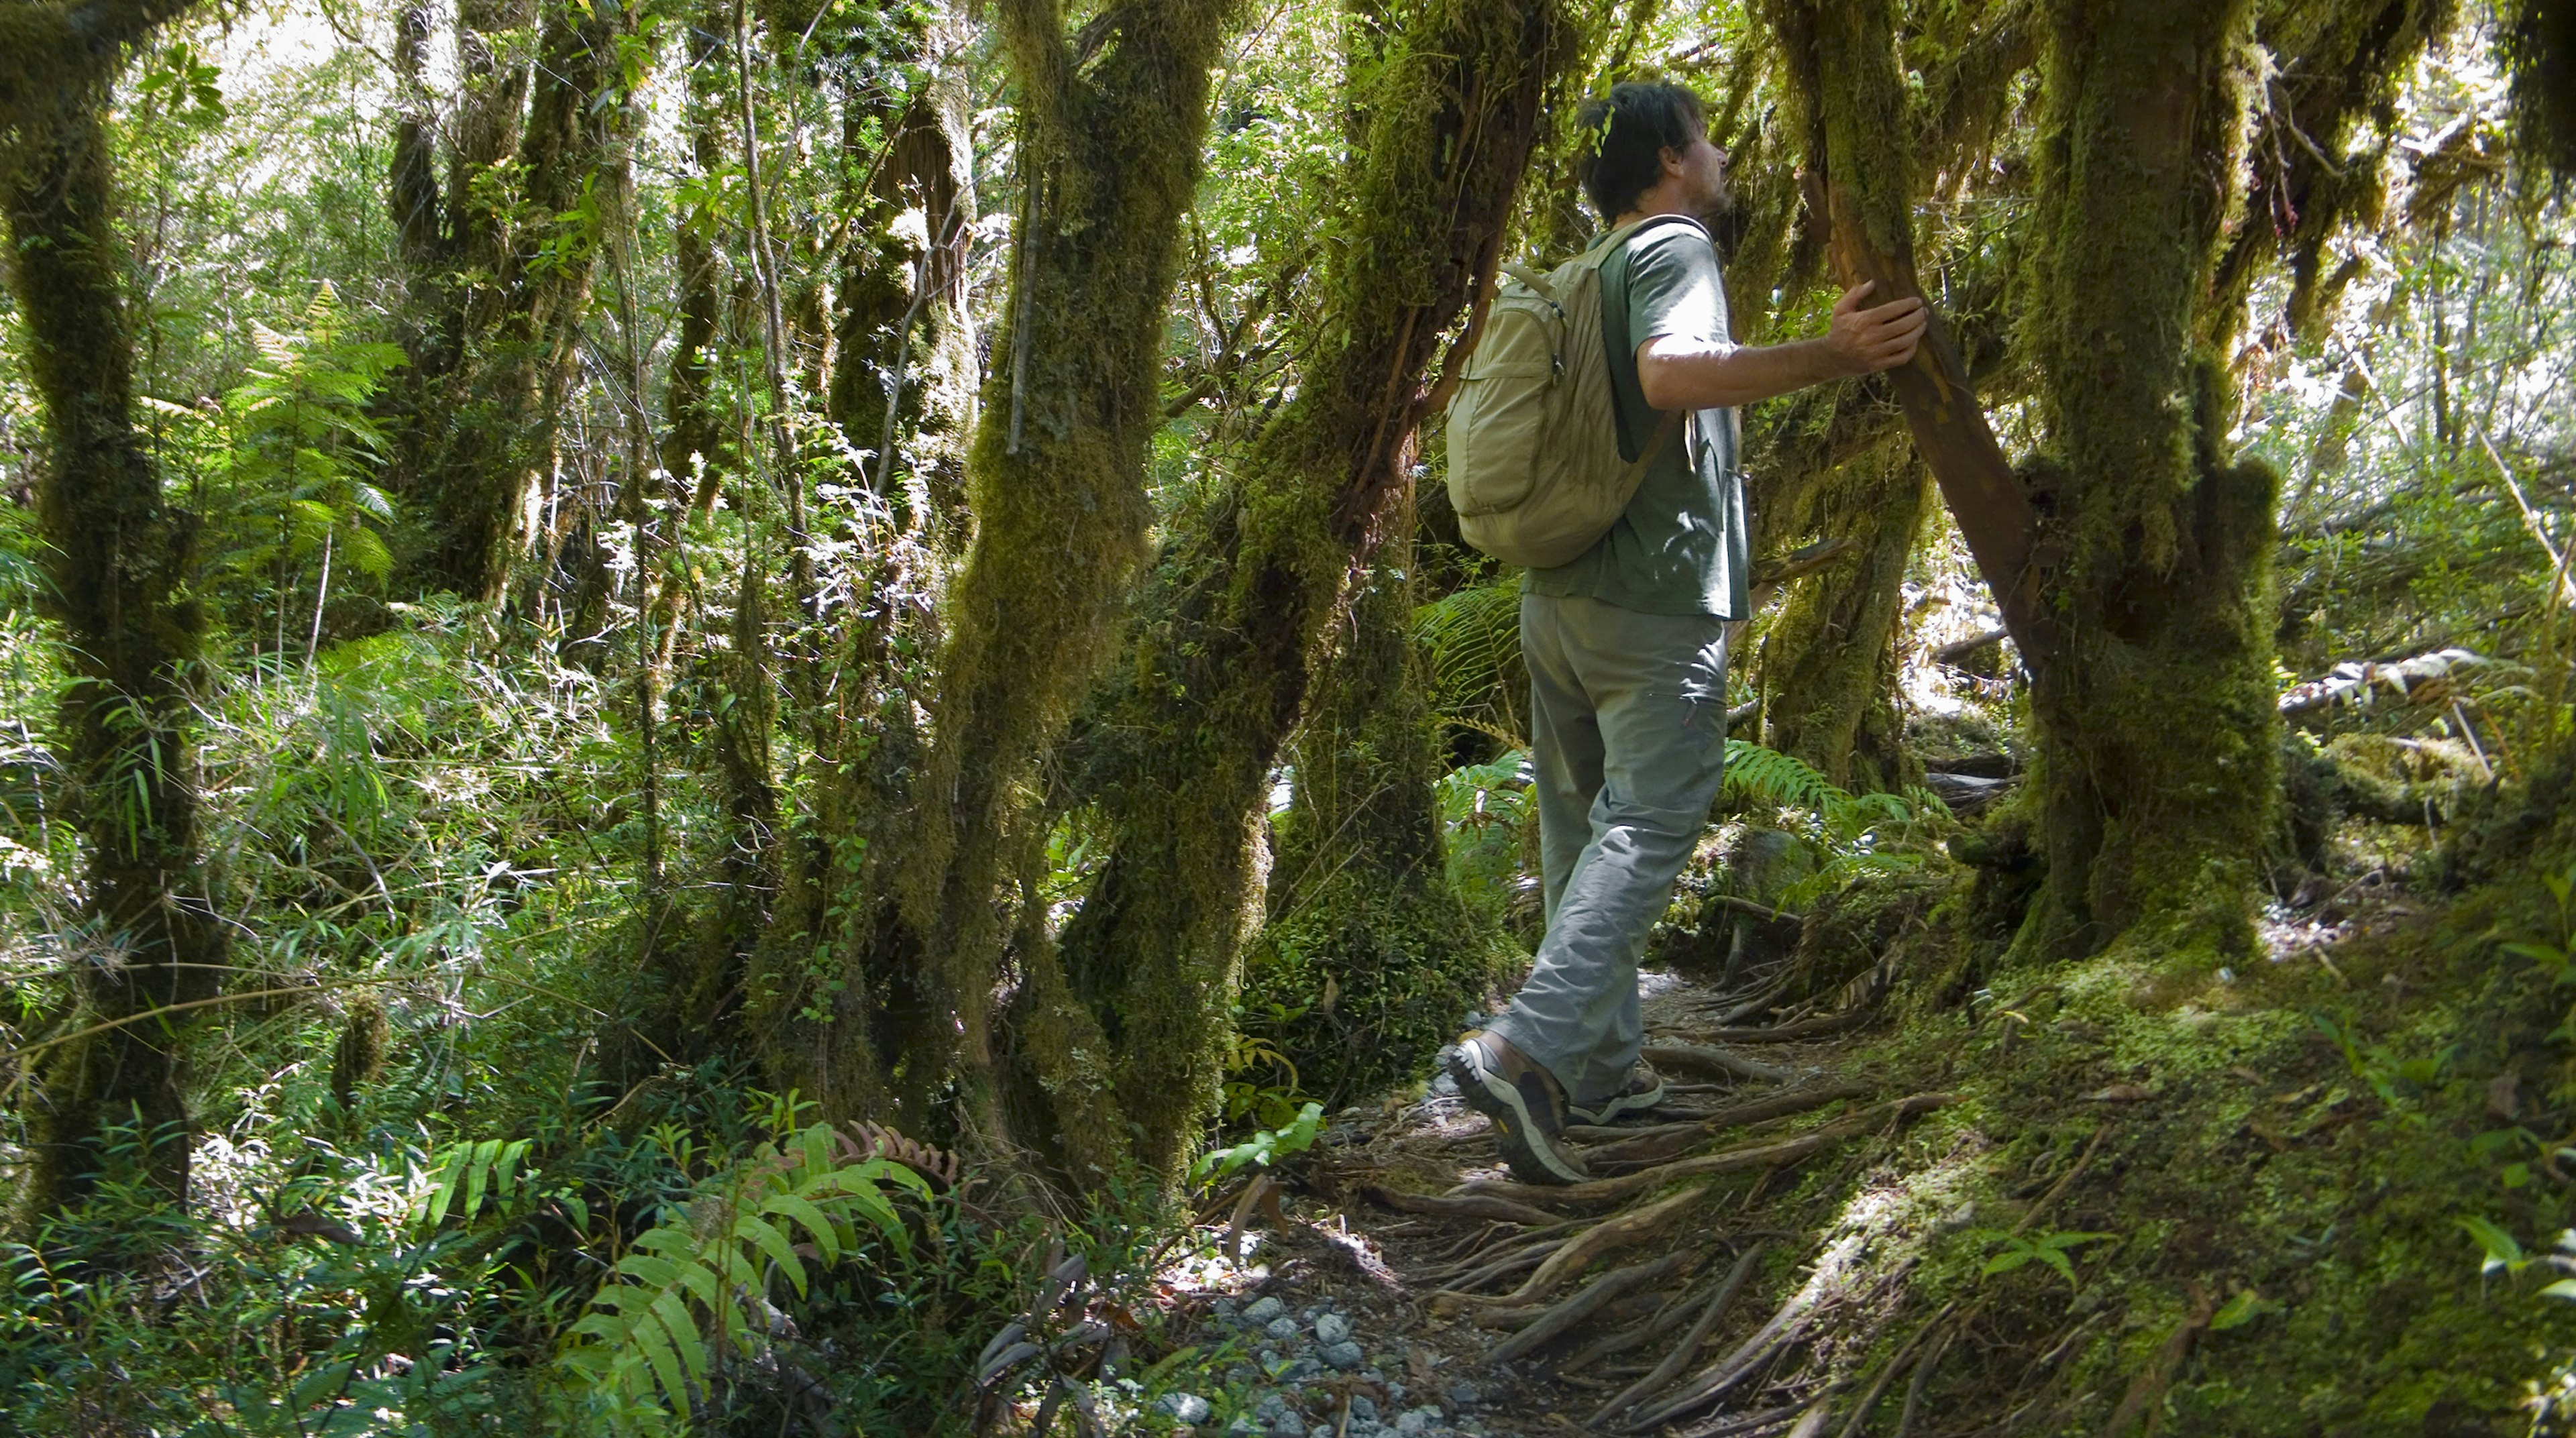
{"x": 1219, "y": 666}
{"x": 119, "y": 552}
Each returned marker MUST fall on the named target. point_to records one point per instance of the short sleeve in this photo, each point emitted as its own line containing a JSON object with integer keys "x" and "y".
{"x": 1674, "y": 289}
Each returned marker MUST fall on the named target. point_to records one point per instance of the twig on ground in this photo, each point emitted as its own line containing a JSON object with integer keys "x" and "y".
{"x": 1682, "y": 1353}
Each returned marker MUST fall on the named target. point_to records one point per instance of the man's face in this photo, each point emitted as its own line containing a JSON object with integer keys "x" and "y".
{"x": 1702, "y": 168}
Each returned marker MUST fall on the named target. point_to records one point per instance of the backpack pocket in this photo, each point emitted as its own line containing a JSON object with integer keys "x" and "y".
{"x": 1498, "y": 418}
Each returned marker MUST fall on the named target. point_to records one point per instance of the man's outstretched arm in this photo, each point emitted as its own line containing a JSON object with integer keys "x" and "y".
{"x": 1678, "y": 373}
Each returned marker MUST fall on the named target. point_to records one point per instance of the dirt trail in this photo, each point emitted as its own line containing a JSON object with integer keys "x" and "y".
{"x": 1687, "y": 1290}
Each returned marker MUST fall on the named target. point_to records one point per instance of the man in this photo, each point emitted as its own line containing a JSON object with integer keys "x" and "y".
{"x": 1626, "y": 645}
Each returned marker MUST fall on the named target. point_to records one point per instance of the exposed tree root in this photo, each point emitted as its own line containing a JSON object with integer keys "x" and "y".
{"x": 1595, "y": 1296}
{"x": 2150, "y": 1385}
{"x": 1682, "y": 1353}
{"x": 1775, "y": 1337}
{"x": 1888, "y": 1375}
{"x": 1469, "y": 1206}
{"x": 1703, "y": 1059}
{"x": 1733, "y": 1160}
{"x": 1818, "y": 1027}
{"x": 1601, "y": 1238}
{"x": 1651, "y": 1145}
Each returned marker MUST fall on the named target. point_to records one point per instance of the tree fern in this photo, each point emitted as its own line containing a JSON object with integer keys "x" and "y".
{"x": 687, "y": 1293}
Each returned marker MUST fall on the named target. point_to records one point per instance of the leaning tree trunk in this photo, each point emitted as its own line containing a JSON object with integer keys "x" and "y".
{"x": 1180, "y": 750}
{"x": 148, "y": 940}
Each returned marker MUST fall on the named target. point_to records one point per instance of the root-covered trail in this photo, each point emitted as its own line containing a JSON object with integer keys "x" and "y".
{"x": 1690, "y": 1288}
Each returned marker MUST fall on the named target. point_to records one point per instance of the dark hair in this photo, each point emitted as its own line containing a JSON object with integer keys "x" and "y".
{"x": 1625, "y": 135}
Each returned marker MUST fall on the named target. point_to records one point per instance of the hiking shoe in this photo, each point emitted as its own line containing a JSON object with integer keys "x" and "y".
{"x": 1525, "y": 1103}
{"x": 1643, "y": 1090}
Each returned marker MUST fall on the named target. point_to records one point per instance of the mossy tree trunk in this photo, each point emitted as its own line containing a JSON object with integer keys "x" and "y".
{"x": 118, "y": 554}
{"x": 2141, "y": 602}
{"x": 873, "y": 988}
{"x": 1830, "y": 663}
{"x": 1230, "y": 631}
{"x": 904, "y": 375}
{"x": 483, "y": 417}
{"x": 1365, "y": 933}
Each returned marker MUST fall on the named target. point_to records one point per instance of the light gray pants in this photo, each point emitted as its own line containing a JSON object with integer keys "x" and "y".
{"x": 1628, "y": 732}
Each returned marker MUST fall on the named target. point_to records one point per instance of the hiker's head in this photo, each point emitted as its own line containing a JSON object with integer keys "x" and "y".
{"x": 1638, "y": 136}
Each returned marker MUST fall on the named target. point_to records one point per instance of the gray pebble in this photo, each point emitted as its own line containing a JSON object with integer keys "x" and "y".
{"x": 1187, "y": 1407}
{"x": 1394, "y": 1392}
{"x": 1419, "y": 1420}
{"x": 1332, "y": 1328}
{"x": 1303, "y": 1369}
{"x": 1464, "y": 1395}
{"x": 1263, "y": 1310}
{"x": 1283, "y": 1328}
{"x": 1363, "y": 1408}
{"x": 1222, "y": 1307}
{"x": 1344, "y": 1355}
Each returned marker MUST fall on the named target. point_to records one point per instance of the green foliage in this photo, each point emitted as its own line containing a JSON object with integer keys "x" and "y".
{"x": 1485, "y": 809}
{"x": 1262, "y": 1148}
{"x": 694, "y": 1285}
{"x": 2051, "y": 1249}
{"x": 1859, "y": 835}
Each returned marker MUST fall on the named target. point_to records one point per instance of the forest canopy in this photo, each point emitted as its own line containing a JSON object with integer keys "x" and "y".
{"x": 754, "y": 715}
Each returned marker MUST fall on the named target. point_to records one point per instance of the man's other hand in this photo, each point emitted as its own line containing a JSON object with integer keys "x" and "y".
{"x": 1865, "y": 341}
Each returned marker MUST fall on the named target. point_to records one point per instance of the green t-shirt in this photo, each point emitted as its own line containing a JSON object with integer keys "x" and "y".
{"x": 1680, "y": 546}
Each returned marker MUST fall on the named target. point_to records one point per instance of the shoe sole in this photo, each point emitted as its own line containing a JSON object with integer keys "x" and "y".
{"x": 1502, "y": 1102}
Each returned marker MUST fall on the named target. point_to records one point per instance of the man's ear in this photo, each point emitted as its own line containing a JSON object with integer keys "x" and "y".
{"x": 1673, "y": 161}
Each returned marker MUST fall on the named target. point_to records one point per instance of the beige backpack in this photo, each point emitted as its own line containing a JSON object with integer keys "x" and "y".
{"x": 1534, "y": 467}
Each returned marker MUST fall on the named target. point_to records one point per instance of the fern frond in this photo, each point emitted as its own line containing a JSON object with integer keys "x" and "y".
{"x": 705, "y": 1268}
